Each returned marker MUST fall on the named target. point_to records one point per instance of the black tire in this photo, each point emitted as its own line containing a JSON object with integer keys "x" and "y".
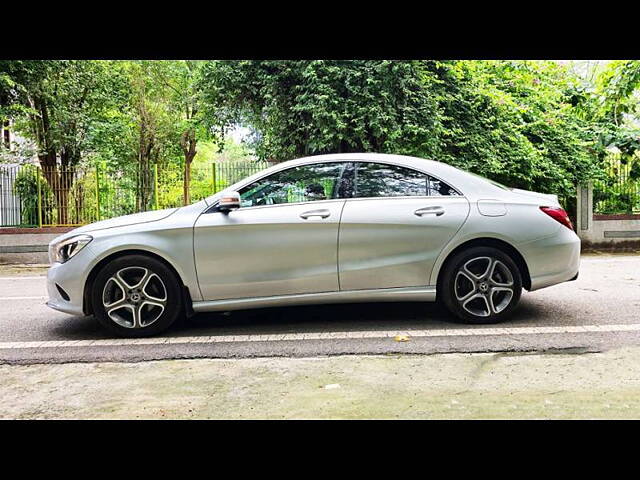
{"x": 171, "y": 296}
{"x": 465, "y": 299}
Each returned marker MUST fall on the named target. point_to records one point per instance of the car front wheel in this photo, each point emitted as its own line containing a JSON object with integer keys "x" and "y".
{"x": 481, "y": 285}
{"x": 136, "y": 296}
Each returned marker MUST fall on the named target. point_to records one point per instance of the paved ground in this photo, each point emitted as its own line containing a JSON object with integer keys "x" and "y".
{"x": 598, "y": 312}
{"x": 502, "y": 385}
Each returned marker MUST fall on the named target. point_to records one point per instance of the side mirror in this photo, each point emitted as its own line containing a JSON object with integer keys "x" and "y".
{"x": 229, "y": 201}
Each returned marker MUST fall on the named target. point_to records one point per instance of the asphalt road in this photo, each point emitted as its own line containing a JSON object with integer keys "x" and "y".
{"x": 598, "y": 312}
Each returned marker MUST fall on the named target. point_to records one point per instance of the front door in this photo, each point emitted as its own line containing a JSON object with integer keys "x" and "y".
{"x": 282, "y": 241}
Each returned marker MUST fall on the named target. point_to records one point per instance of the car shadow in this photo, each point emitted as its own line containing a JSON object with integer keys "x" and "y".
{"x": 301, "y": 319}
{"x": 371, "y": 316}
{"x": 79, "y": 328}
{"x": 333, "y": 318}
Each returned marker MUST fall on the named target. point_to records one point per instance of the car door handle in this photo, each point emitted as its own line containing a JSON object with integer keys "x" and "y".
{"x": 315, "y": 213}
{"x": 437, "y": 211}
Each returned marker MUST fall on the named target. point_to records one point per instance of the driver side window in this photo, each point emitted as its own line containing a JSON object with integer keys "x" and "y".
{"x": 306, "y": 183}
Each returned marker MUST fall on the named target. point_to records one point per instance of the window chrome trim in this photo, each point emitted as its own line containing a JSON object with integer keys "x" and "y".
{"x": 244, "y": 209}
{"x": 213, "y": 208}
{"x": 406, "y": 197}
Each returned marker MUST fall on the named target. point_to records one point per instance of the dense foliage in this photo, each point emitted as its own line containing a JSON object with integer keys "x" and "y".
{"x": 615, "y": 112}
{"x": 514, "y": 121}
{"x": 310, "y": 107}
{"x": 529, "y": 124}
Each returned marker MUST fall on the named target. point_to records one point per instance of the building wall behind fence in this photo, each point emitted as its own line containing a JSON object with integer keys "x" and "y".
{"x": 31, "y": 196}
{"x": 621, "y": 230}
{"x": 609, "y": 207}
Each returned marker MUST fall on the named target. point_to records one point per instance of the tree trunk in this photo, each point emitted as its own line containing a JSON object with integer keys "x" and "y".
{"x": 62, "y": 201}
{"x": 6, "y": 136}
{"x": 68, "y": 159}
{"x": 145, "y": 154}
{"x": 59, "y": 181}
{"x": 186, "y": 194}
{"x": 80, "y": 216}
{"x": 188, "y": 142}
{"x": 50, "y": 172}
{"x": 59, "y": 178}
{"x": 144, "y": 170}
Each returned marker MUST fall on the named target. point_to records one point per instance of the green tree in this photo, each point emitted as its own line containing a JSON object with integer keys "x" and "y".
{"x": 612, "y": 103}
{"x": 182, "y": 80}
{"x": 515, "y": 121}
{"x": 140, "y": 131}
{"x": 58, "y": 101}
{"x": 311, "y": 107}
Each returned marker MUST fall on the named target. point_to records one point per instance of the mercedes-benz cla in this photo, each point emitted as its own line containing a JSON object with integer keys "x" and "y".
{"x": 323, "y": 229}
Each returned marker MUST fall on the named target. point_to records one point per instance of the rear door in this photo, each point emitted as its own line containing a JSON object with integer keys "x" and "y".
{"x": 394, "y": 228}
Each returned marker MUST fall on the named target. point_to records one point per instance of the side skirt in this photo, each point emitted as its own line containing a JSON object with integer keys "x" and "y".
{"x": 410, "y": 294}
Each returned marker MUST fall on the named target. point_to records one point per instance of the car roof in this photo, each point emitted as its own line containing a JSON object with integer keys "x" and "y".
{"x": 428, "y": 166}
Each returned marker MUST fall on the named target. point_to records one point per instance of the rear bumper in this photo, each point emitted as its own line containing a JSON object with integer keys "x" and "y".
{"x": 552, "y": 260}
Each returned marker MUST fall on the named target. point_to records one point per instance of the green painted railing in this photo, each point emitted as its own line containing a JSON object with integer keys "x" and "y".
{"x": 33, "y": 196}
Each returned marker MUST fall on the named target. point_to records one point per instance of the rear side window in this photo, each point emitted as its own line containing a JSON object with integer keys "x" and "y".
{"x": 373, "y": 180}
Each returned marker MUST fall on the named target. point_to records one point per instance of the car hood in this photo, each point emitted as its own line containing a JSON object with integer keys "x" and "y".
{"x": 136, "y": 218}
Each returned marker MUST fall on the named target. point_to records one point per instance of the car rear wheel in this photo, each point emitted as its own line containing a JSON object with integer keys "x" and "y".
{"x": 136, "y": 296}
{"x": 481, "y": 285}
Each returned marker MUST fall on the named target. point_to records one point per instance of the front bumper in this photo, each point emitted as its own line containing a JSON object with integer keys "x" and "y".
{"x": 71, "y": 282}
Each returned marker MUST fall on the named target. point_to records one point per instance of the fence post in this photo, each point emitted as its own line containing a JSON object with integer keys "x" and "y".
{"x": 584, "y": 210}
{"x": 98, "y": 191}
{"x": 213, "y": 169}
{"x": 39, "y": 198}
{"x": 155, "y": 184}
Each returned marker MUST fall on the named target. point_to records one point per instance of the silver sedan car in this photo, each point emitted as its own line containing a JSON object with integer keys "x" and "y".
{"x": 322, "y": 229}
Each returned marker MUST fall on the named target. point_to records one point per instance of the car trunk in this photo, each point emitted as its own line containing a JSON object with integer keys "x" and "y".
{"x": 547, "y": 199}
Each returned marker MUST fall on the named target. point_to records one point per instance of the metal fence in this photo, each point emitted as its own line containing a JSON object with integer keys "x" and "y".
{"x": 618, "y": 192}
{"x": 10, "y": 203}
{"x": 32, "y": 196}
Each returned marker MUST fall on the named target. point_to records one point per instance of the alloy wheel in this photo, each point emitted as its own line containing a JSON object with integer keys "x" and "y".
{"x": 484, "y": 286}
{"x": 134, "y": 297}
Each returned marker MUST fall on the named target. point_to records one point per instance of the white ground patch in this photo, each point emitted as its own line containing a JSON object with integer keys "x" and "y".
{"x": 17, "y": 277}
{"x": 284, "y": 337}
{"x": 38, "y": 297}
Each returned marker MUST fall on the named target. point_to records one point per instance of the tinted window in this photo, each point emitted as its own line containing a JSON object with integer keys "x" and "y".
{"x": 379, "y": 180}
{"x": 306, "y": 183}
{"x": 439, "y": 188}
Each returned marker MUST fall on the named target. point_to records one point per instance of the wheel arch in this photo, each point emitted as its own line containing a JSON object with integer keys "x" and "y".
{"x": 501, "y": 245}
{"x": 87, "y": 306}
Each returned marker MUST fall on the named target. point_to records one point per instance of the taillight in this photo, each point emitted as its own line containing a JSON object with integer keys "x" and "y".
{"x": 559, "y": 215}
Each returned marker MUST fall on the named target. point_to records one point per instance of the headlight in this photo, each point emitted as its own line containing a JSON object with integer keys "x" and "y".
{"x": 66, "y": 249}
